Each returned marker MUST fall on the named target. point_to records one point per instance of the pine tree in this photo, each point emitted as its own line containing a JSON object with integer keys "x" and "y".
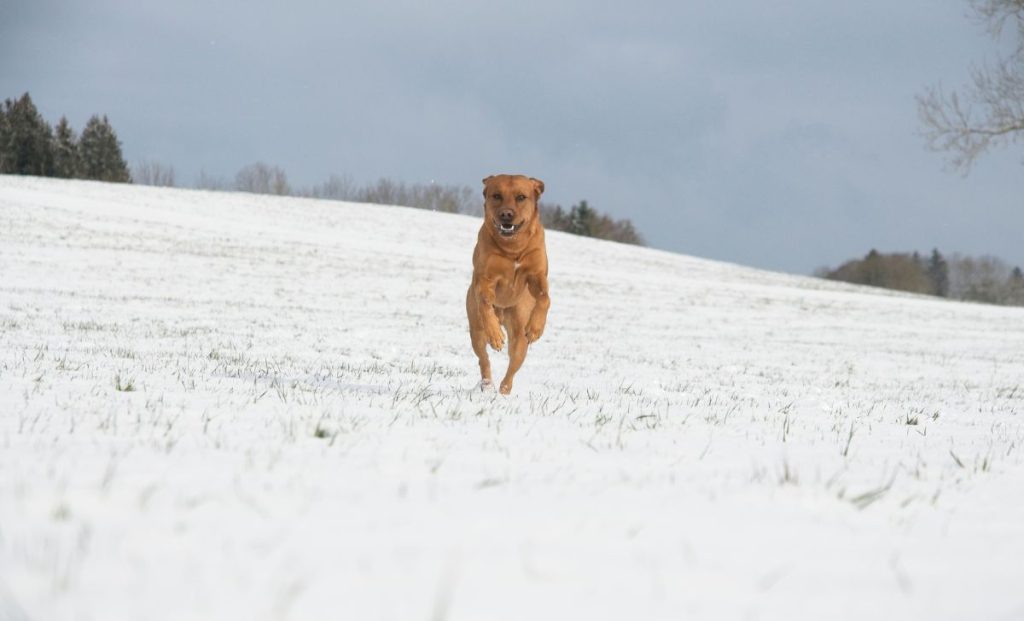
{"x": 65, "y": 151}
{"x": 4, "y": 133}
{"x": 938, "y": 274}
{"x": 26, "y": 140}
{"x": 1015, "y": 287}
{"x": 581, "y": 219}
{"x": 100, "y": 152}
{"x": 873, "y": 269}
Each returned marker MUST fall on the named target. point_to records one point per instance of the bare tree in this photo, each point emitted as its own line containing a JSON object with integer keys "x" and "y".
{"x": 383, "y": 192}
{"x": 261, "y": 178}
{"x": 151, "y": 172}
{"x": 207, "y": 181}
{"x": 447, "y": 198}
{"x": 990, "y": 110}
{"x": 980, "y": 279}
{"x": 337, "y": 187}
{"x": 432, "y": 196}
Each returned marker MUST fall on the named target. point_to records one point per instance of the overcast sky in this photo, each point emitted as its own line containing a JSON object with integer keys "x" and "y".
{"x": 779, "y": 134}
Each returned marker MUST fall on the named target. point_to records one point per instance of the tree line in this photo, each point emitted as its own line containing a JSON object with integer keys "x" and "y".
{"x": 263, "y": 178}
{"x": 29, "y": 145}
{"x": 978, "y": 279}
{"x": 582, "y": 219}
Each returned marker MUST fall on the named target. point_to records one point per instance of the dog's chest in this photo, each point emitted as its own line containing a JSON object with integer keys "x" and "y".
{"x": 513, "y": 282}
{"x": 518, "y": 272}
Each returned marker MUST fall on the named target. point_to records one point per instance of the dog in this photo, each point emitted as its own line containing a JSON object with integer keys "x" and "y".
{"x": 510, "y": 275}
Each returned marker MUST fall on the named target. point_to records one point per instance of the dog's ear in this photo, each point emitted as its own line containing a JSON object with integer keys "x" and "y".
{"x": 538, "y": 187}
{"x": 486, "y": 179}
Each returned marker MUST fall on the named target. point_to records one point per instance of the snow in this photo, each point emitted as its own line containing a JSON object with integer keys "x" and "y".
{"x": 303, "y": 440}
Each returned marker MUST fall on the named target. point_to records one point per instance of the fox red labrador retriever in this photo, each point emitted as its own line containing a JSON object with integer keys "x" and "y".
{"x": 510, "y": 274}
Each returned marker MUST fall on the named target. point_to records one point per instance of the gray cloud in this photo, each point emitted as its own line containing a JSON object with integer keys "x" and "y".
{"x": 780, "y": 135}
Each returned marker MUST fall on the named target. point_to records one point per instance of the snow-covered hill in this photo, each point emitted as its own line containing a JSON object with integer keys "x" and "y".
{"x": 227, "y": 406}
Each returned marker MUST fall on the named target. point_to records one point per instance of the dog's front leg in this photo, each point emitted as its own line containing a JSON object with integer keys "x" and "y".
{"x": 489, "y": 319}
{"x": 538, "y": 285}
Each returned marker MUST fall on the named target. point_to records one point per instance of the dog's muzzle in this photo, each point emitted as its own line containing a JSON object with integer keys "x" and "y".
{"x": 507, "y": 229}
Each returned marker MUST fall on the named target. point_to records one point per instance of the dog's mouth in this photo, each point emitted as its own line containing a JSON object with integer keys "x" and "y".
{"x": 507, "y": 229}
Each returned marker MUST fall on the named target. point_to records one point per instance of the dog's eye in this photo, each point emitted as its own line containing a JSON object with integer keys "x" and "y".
{"x": 520, "y": 198}
{"x": 496, "y": 196}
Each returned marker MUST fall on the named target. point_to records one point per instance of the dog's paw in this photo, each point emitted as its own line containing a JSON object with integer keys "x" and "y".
{"x": 534, "y": 330}
{"x": 495, "y": 338}
{"x": 506, "y": 388}
{"x": 486, "y": 385}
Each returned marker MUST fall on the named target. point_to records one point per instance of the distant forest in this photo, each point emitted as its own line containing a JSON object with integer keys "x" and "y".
{"x": 262, "y": 178}
{"x": 977, "y": 279}
{"x": 31, "y": 146}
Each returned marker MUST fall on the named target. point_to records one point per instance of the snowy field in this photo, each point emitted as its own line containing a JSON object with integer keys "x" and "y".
{"x": 227, "y": 406}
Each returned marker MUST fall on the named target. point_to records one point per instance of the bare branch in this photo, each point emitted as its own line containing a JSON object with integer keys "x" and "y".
{"x": 989, "y": 112}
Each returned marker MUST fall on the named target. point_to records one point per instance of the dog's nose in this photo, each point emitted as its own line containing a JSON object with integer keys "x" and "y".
{"x": 506, "y": 214}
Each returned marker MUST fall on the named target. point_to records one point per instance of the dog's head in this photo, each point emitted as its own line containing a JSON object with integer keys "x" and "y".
{"x": 510, "y": 203}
